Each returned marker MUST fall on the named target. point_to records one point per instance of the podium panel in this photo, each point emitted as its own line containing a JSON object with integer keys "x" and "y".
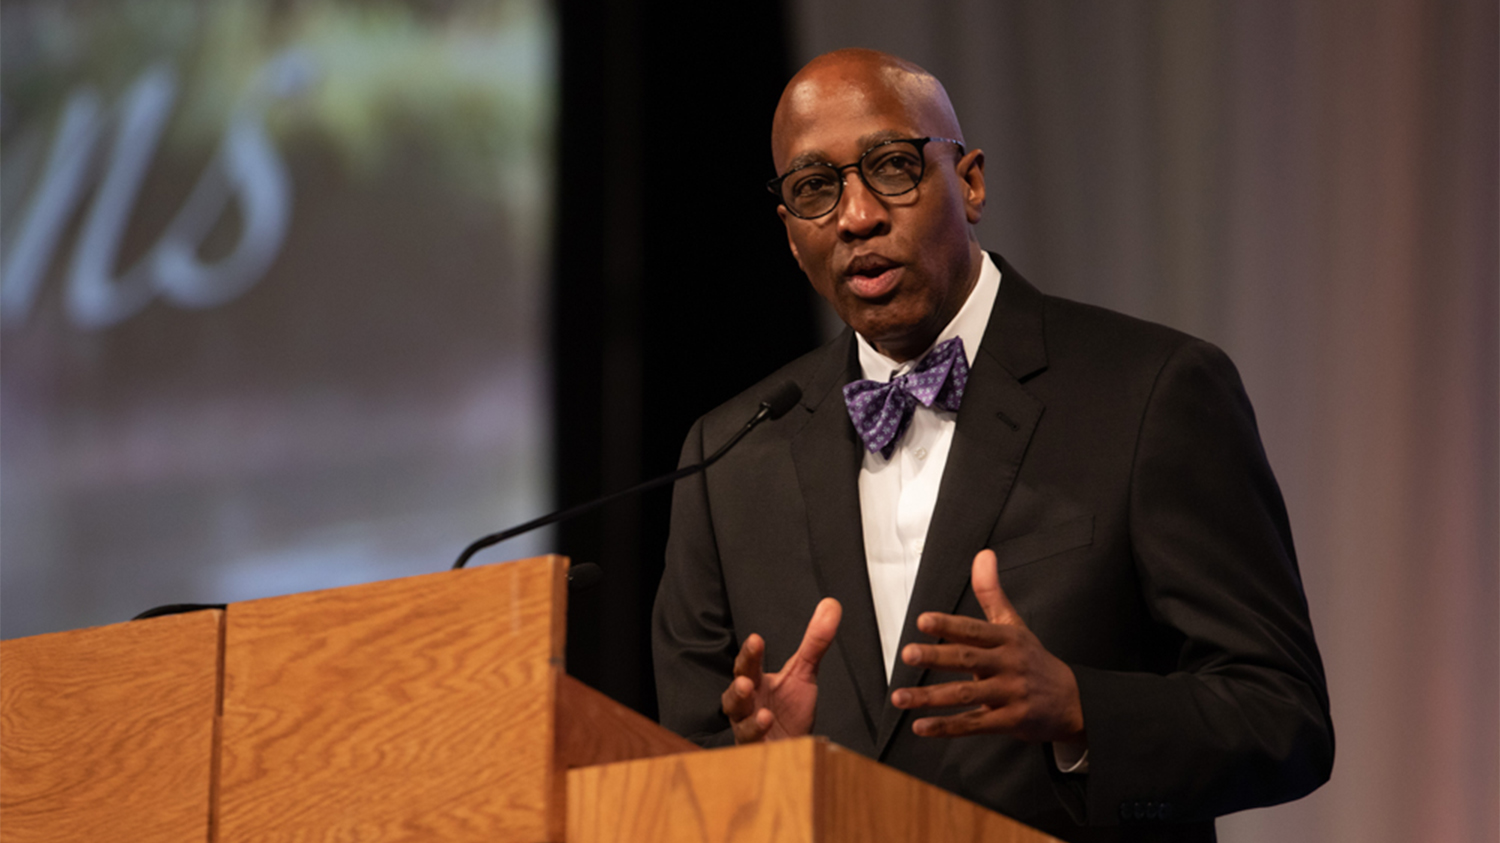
{"x": 414, "y": 709}
{"x": 798, "y": 791}
{"x": 108, "y": 733}
{"x": 594, "y": 729}
{"x": 420, "y": 709}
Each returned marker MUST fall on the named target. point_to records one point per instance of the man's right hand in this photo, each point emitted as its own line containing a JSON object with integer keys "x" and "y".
{"x": 771, "y": 706}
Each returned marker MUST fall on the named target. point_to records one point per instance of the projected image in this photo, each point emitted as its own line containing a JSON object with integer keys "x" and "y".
{"x": 271, "y": 296}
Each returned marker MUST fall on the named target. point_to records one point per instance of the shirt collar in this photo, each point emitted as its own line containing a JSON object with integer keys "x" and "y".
{"x": 969, "y": 323}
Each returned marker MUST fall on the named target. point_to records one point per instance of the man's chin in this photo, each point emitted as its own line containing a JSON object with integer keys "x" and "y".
{"x": 895, "y": 338}
{"x": 870, "y": 315}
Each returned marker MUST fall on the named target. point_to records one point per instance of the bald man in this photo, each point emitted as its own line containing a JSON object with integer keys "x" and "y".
{"x": 1026, "y": 549}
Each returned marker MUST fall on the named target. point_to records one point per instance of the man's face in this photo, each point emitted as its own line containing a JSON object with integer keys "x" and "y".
{"x": 895, "y": 268}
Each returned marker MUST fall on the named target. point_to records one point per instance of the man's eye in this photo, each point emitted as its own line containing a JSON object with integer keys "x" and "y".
{"x": 893, "y": 163}
{"x": 812, "y": 185}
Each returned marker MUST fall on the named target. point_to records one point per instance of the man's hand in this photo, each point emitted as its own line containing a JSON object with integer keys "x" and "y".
{"x": 1020, "y": 689}
{"x": 771, "y": 706}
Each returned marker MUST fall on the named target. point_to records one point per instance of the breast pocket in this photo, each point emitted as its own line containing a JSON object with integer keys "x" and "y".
{"x": 1048, "y": 541}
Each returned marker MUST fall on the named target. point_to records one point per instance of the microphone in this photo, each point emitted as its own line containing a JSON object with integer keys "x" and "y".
{"x": 177, "y": 609}
{"x": 586, "y": 574}
{"x": 774, "y": 406}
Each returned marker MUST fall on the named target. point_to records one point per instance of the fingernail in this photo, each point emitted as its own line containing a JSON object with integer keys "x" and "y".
{"x": 900, "y": 698}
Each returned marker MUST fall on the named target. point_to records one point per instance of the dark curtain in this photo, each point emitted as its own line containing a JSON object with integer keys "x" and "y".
{"x": 673, "y": 286}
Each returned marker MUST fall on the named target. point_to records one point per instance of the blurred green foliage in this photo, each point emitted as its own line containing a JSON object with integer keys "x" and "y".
{"x": 462, "y": 92}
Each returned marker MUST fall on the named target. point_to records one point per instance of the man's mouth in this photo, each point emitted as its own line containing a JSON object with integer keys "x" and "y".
{"x": 872, "y": 276}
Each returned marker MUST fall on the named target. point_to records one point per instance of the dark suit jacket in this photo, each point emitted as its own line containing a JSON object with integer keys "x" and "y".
{"x": 1115, "y": 468}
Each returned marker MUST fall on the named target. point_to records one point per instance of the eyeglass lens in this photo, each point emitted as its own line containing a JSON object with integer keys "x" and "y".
{"x": 890, "y": 169}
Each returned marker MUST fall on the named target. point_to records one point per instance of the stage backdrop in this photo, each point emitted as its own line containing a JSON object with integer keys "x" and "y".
{"x": 1312, "y": 186}
{"x": 273, "y": 296}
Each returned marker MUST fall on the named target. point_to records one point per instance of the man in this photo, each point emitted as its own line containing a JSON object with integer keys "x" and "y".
{"x": 1045, "y": 562}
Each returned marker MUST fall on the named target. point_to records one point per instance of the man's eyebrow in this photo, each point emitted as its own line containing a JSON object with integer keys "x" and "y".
{"x": 805, "y": 159}
{"x": 874, "y": 138}
{"x": 864, "y": 142}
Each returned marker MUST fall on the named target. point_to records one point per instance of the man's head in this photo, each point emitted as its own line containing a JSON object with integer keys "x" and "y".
{"x": 896, "y": 268}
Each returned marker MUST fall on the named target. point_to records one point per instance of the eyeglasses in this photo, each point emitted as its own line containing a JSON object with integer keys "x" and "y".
{"x": 890, "y": 168}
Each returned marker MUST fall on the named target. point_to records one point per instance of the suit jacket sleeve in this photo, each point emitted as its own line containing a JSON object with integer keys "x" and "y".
{"x": 1241, "y": 719}
{"x": 693, "y": 639}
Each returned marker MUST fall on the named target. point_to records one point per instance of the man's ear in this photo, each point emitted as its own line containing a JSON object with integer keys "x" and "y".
{"x": 971, "y": 179}
{"x": 786, "y": 220}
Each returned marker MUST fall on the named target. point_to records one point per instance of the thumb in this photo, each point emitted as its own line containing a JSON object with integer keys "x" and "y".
{"x": 817, "y": 639}
{"x": 986, "y": 583}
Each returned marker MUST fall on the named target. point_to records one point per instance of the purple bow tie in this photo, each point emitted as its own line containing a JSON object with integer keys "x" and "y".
{"x": 882, "y": 411}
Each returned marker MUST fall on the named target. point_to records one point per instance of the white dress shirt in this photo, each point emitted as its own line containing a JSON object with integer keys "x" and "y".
{"x": 897, "y": 495}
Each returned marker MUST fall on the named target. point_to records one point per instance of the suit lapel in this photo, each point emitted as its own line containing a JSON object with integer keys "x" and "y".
{"x": 827, "y": 456}
{"x": 995, "y": 424}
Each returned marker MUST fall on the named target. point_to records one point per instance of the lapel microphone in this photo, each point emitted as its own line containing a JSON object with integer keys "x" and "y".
{"x": 773, "y": 406}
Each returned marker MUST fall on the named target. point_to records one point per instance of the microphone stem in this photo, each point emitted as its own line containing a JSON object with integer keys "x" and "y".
{"x": 495, "y": 538}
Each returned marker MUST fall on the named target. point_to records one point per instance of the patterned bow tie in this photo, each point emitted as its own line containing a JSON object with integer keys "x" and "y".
{"x": 882, "y": 411}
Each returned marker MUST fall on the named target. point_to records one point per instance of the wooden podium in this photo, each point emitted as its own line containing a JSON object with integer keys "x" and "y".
{"x": 431, "y": 708}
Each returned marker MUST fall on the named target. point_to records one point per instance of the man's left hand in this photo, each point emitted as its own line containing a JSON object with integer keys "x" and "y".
{"x": 1020, "y": 689}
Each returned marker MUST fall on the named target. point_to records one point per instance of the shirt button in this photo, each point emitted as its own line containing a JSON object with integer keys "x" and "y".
{"x": 921, "y": 454}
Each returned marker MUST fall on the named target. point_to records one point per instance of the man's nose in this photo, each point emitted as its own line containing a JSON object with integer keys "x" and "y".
{"x": 861, "y": 212}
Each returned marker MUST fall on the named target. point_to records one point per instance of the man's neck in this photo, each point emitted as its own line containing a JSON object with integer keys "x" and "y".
{"x": 969, "y": 323}
{"x": 911, "y": 347}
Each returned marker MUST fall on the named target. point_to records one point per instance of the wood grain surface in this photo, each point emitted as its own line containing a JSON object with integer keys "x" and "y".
{"x": 741, "y": 795}
{"x": 594, "y": 729}
{"x": 861, "y": 801}
{"x": 412, "y": 709}
{"x": 799, "y": 791}
{"x": 107, "y": 733}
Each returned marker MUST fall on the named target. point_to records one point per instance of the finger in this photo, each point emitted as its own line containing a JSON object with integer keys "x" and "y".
{"x": 965, "y": 630}
{"x": 988, "y": 693}
{"x": 754, "y": 729}
{"x": 976, "y": 722}
{"x": 750, "y": 658}
{"x": 985, "y": 579}
{"x": 817, "y": 639}
{"x": 738, "y": 700}
{"x": 960, "y": 658}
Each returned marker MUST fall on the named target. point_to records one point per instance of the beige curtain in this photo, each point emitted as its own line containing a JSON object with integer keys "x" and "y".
{"x": 1312, "y": 186}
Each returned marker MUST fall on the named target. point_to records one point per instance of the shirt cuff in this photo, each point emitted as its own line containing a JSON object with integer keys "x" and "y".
{"x": 1071, "y": 757}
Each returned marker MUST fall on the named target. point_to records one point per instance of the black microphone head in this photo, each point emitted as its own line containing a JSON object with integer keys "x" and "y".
{"x": 584, "y": 575}
{"x": 781, "y": 399}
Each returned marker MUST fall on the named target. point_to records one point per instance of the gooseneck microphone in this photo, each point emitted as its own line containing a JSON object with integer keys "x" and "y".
{"x": 774, "y": 406}
{"x": 586, "y": 574}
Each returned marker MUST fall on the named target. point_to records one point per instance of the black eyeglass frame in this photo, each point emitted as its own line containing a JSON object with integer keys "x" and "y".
{"x": 774, "y": 185}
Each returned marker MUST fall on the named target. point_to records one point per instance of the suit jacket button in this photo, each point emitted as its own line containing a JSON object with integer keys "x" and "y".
{"x": 1164, "y": 810}
{"x": 1124, "y": 810}
{"x": 1150, "y": 810}
{"x": 1139, "y": 810}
